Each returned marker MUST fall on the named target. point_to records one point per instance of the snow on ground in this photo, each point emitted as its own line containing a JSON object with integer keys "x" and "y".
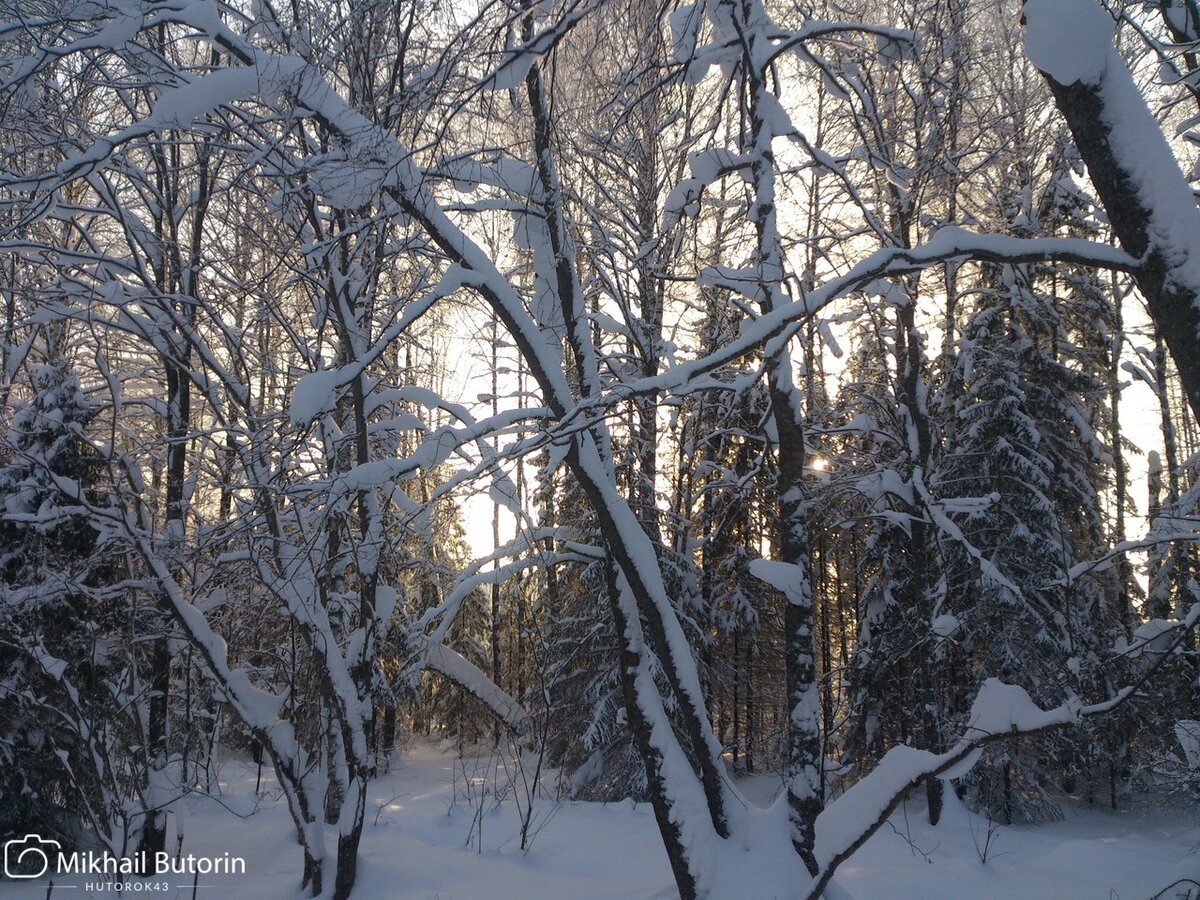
{"x": 422, "y": 841}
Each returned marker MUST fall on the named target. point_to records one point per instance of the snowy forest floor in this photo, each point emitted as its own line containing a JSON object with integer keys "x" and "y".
{"x": 423, "y": 841}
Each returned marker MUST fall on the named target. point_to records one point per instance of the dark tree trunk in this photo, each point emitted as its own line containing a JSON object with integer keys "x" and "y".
{"x": 677, "y": 853}
{"x": 1174, "y": 308}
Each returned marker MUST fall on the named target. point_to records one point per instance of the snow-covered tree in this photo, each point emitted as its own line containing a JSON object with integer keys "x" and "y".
{"x": 634, "y": 216}
{"x": 68, "y": 675}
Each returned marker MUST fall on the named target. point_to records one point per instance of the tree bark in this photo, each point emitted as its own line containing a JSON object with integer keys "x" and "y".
{"x": 1174, "y": 308}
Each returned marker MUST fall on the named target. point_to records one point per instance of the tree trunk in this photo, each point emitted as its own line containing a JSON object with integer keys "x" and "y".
{"x": 350, "y": 835}
{"x": 1174, "y": 304}
{"x": 805, "y": 792}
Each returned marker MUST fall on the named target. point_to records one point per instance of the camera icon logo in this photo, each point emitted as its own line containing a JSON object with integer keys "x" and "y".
{"x": 28, "y": 857}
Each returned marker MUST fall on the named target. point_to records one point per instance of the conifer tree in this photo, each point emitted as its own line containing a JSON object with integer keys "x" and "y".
{"x": 62, "y": 670}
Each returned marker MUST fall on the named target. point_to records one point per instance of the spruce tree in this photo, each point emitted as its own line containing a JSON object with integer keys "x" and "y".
{"x": 59, "y": 668}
